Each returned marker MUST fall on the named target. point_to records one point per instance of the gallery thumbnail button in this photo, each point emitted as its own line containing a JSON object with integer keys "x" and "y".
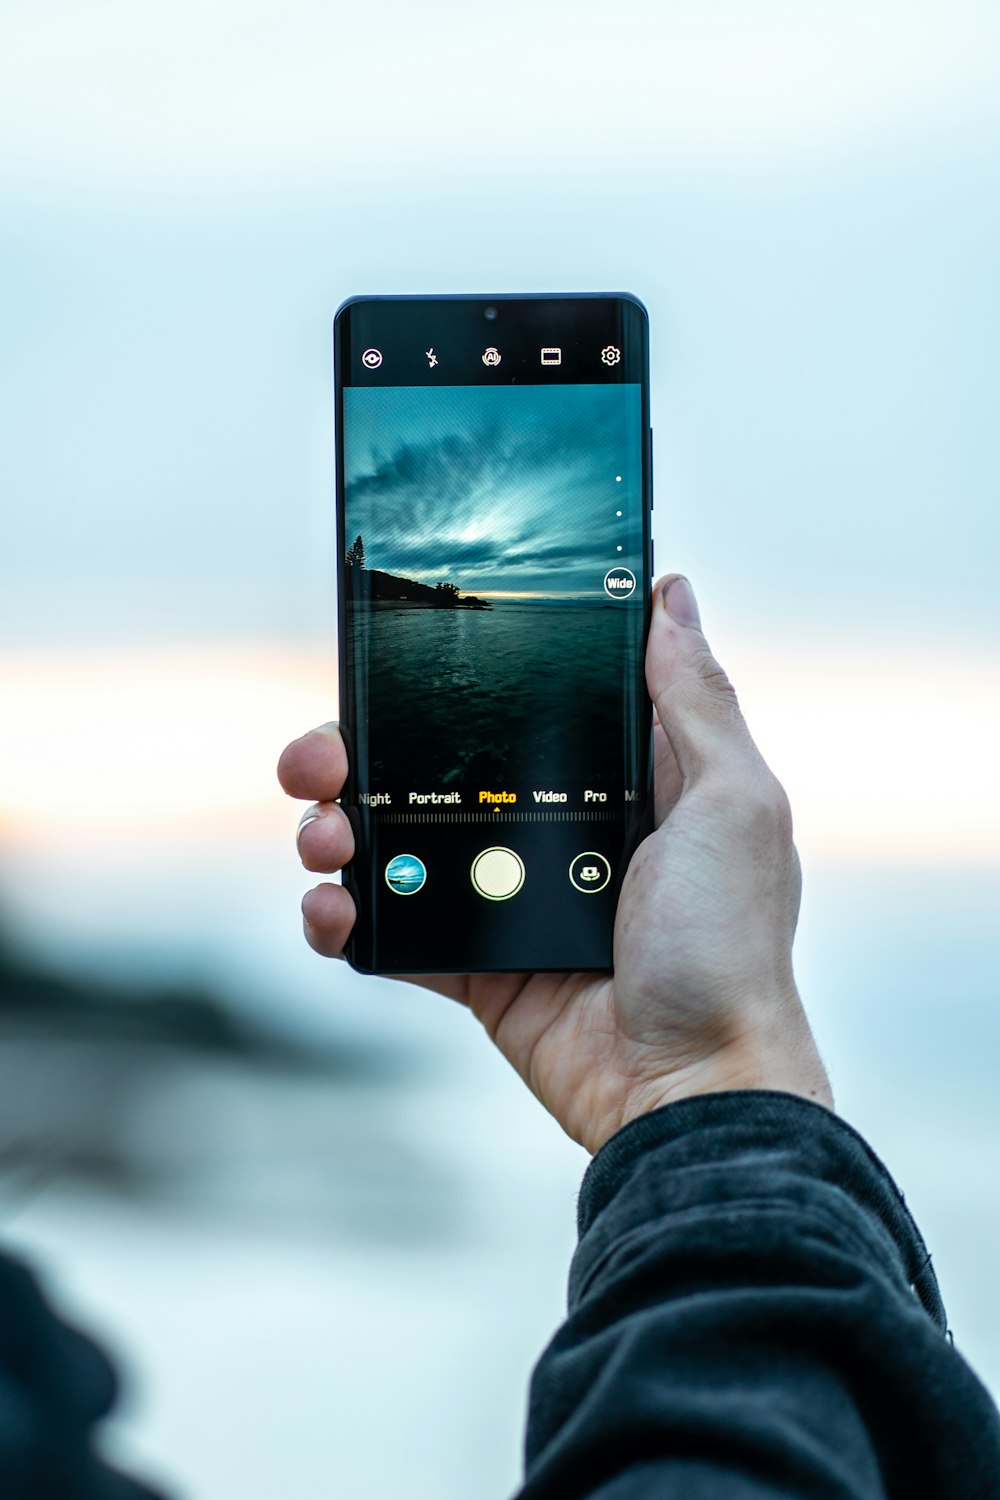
{"x": 405, "y": 874}
{"x": 497, "y": 874}
{"x": 590, "y": 872}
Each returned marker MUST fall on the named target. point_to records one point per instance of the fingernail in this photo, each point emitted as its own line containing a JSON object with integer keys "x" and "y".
{"x": 681, "y": 604}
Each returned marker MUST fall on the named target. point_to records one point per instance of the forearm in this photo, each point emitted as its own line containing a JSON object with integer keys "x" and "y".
{"x": 753, "y": 1314}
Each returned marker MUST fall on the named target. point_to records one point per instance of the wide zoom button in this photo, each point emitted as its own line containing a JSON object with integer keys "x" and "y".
{"x": 497, "y": 873}
{"x": 619, "y": 583}
{"x": 589, "y": 872}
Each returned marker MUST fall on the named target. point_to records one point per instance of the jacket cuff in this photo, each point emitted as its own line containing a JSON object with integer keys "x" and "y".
{"x": 738, "y": 1148}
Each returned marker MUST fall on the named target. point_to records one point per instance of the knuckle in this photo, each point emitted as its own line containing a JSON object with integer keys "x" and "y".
{"x": 712, "y": 675}
{"x": 768, "y": 810}
{"x": 715, "y": 693}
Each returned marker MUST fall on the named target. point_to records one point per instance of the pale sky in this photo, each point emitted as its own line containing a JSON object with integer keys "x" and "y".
{"x": 159, "y": 94}
{"x": 804, "y": 196}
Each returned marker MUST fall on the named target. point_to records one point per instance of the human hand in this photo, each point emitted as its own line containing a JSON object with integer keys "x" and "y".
{"x": 702, "y": 997}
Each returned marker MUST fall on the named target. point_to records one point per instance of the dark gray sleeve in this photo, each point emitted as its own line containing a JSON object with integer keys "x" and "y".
{"x": 753, "y": 1315}
{"x": 55, "y": 1386}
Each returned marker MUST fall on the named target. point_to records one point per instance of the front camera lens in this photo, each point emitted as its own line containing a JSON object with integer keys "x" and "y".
{"x": 490, "y": 313}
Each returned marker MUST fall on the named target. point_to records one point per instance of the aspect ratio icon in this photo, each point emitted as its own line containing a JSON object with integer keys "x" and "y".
{"x": 551, "y": 356}
{"x": 372, "y": 358}
{"x": 619, "y": 583}
{"x": 491, "y": 356}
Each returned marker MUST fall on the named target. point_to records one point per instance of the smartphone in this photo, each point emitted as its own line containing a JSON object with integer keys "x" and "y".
{"x": 494, "y": 488}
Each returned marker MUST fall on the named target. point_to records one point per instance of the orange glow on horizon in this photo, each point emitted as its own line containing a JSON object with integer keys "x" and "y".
{"x": 885, "y": 761}
{"x": 171, "y": 745}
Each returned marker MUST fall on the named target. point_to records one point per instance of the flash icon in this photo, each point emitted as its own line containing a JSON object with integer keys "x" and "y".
{"x": 432, "y": 358}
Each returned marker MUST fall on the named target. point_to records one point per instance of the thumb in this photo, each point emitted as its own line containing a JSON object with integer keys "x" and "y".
{"x": 695, "y": 701}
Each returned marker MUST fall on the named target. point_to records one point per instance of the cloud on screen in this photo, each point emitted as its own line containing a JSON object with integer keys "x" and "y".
{"x": 509, "y": 489}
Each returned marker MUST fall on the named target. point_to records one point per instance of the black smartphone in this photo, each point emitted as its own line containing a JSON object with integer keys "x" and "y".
{"x": 494, "y": 492}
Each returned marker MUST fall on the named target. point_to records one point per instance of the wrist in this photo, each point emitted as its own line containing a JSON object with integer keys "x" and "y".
{"x": 781, "y": 1057}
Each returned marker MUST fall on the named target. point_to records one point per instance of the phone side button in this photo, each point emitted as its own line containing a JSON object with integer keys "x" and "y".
{"x": 651, "y": 501}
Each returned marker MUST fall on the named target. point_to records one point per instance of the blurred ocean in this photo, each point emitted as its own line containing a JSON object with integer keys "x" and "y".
{"x": 326, "y": 1261}
{"x": 375, "y": 1217}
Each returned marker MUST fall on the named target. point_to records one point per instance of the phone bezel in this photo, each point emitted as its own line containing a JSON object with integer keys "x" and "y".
{"x": 628, "y": 313}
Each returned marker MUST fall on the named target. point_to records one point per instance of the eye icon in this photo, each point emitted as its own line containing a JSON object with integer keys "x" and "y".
{"x": 372, "y": 358}
{"x": 491, "y": 356}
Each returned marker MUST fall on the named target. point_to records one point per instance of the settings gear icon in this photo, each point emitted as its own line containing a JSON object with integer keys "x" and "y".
{"x": 610, "y": 355}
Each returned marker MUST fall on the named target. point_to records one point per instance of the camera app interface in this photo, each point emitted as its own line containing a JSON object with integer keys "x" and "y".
{"x": 494, "y": 628}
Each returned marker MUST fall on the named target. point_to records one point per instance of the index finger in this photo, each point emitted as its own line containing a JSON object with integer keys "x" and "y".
{"x": 314, "y": 767}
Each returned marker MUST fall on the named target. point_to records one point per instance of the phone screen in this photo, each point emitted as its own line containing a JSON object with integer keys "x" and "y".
{"x": 494, "y": 493}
